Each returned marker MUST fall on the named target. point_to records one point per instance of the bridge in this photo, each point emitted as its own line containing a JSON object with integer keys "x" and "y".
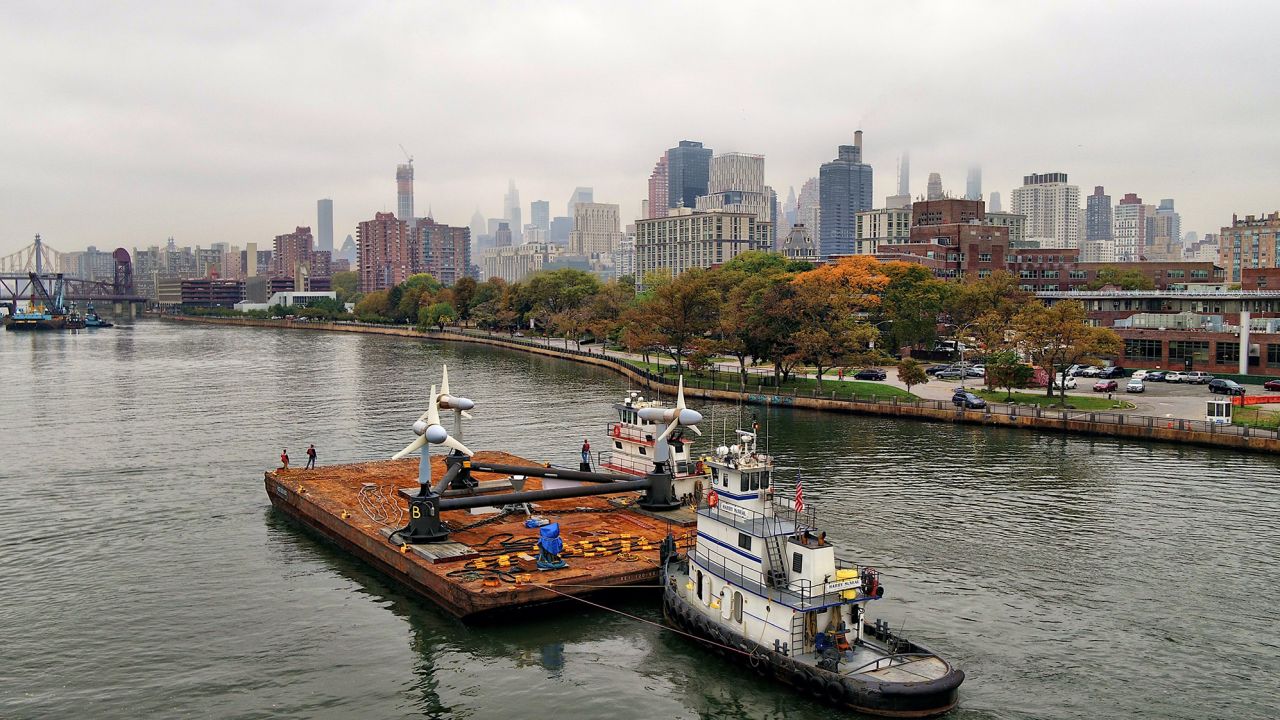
{"x": 38, "y": 263}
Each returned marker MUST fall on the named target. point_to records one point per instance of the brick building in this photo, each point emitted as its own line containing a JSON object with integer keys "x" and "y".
{"x": 385, "y": 256}
{"x": 1249, "y": 243}
{"x": 291, "y": 250}
{"x": 442, "y": 251}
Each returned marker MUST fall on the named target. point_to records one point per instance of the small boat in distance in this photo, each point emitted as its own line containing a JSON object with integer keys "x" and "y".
{"x": 93, "y": 320}
{"x": 762, "y": 583}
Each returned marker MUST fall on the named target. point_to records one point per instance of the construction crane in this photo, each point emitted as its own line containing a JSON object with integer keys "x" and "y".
{"x": 406, "y": 154}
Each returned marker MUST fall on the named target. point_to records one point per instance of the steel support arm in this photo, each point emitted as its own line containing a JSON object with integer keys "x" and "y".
{"x": 498, "y": 500}
{"x": 546, "y": 472}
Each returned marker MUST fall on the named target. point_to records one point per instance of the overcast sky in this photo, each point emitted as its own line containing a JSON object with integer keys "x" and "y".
{"x": 123, "y": 123}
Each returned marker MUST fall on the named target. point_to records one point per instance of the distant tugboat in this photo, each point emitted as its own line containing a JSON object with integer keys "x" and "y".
{"x": 93, "y": 320}
{"x": 763, "y": 583}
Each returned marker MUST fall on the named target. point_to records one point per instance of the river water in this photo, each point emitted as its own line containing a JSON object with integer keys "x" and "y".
{"x": 144, "y": 574}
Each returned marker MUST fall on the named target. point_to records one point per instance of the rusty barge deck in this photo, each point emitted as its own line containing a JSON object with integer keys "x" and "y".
{"x": 488, "y": 564}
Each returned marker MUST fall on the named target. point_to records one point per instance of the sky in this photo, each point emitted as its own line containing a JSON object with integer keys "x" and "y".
{"x": 124, "y": 123}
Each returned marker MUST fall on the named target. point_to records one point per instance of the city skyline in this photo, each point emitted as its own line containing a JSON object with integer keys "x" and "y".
{"x": 247, "y": 122}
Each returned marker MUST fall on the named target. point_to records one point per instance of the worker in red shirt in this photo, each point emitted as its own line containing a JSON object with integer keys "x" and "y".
{"x": 284, "y": 459}
{"x": 586, "y": 452}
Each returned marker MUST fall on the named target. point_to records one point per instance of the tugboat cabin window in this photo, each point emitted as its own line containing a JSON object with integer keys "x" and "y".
{"x": 797, "y": 563}
{"x": 737, "y": 607}
{"x": 699, "y": 584}
{"x": 715, "y": 474}
{"x": 642, "y": 452}
{"x": 744, "y": 541}
{"x": 764, "y": 480}
{"x": 744, "y": 483}
{"x": 617, "y": 444}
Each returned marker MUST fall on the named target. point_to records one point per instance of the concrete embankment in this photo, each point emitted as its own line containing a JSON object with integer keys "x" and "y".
{"x": 1107, "y": 424}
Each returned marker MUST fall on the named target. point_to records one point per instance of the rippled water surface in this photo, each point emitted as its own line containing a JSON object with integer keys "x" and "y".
{"x": 143, "y": 573}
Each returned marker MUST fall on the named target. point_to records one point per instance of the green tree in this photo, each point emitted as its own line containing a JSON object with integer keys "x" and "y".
{"x": 1058, "y": 336}
{"x": 464, "y": 294}
{"x": 1005, "y": 370}
{"x": 911, "y": 372}
{"x": 345, "y": 285}
{"x": 438, "y": 314}
{"x": 681, "y": 311}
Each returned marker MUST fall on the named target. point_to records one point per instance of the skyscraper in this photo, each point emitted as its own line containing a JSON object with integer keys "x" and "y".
{"x": 511, "y": 211}
{"x": 844, "y": 190}
{"x": 1052, "y": 208}
{"x": 1129, "y": 228}
{"x": 324, "y": 224}
{"x": 595, "y": 229}
{"x": 658, "y": 189}
{"x": 973, "y": 184}
{"x": 442, "y": 251}
{"x": 540, "y": 214}
{"x": 903, "y": 198}
{"x": 736, "y": 184}
{"x": 993, "y": 203}
{"x": 290, "y": 251}
{"x": 1164, "y": 233}
{"x": 385, "y": 257}
{"x": 688, "y": 171}
{"x": 404, "y": 191}
{"x": 502, "y": 236}
{"x": 1097, "y": 215}
{"x": 934, "y": 190}
{"x": 580, "y": 195}
{"x": 809, "y": 208}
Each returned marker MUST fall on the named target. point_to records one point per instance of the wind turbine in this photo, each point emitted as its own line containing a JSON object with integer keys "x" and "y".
{"x": 675, "y": 417}
{"x": 448, "y": 401}
{"x": 430, "y": 432}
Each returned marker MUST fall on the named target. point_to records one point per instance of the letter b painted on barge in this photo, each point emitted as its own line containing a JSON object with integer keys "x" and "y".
{"x": 424, "y": 520}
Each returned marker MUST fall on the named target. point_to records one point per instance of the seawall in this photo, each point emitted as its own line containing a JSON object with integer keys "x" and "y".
{"x": 1105, "y": 424}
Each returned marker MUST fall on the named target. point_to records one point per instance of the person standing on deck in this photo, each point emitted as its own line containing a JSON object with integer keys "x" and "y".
{"x": 284, "y": 459}
{"x": 586, "y": 452}
{"x": 311, "y": 457}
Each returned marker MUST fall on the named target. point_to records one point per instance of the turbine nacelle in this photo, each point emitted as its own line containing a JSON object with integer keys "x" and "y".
{"x": 679, "y": 416}
{"x": 431, "y": 432}
{"x": 447, "y": 401}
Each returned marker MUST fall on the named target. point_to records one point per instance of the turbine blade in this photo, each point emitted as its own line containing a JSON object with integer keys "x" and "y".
{"x": 680, "y": 396}
{"x": 695, "y": 430}
{"x": 467, "y": 415}
{"x": 451, "y": 442}
{"x": 414, "y": 446}
{"x": 670, "y": 429}
{"x": 444, "y": 380}
{"x": 433, "y": 409}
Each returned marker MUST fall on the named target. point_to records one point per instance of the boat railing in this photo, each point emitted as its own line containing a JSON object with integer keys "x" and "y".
{"x": 626, "y": 431}
{"x": 801, "y": 594}
{"x": 640, "y": 465}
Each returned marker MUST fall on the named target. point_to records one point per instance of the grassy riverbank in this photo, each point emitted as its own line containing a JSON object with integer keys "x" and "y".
{"x": 1076, "y": 402}
{"x": 806, "y": 386}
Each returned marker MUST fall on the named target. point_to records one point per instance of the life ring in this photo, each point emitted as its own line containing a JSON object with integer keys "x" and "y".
{"x": 617, "y": 431}
{"x": 700, "y": 468}
{"x": 713, "y": 498}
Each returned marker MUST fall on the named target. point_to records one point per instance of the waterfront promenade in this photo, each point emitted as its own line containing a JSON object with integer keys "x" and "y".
{"x": 1115, "y": 423}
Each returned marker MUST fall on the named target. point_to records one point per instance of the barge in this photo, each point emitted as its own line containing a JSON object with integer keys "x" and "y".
{"x": 496, "y": 532}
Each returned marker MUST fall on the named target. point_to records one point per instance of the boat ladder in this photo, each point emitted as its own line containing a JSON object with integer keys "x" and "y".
{"x": 777, "y": 565}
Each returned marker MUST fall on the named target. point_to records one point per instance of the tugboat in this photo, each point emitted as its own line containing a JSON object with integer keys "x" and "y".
{"x": 763, "y": 584}
{"x": 634, "y": 445}
{"x": 93, "y": 320}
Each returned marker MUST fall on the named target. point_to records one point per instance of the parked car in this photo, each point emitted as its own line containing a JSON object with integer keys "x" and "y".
{"x": 1197, "y": 378}
{"x": 1090, "y": 371}
{"x": 1223, "y": 386}
{"x": 1074, "y": 370}
{"x": 1175, "y": 376}
{"x": 1111, "y": 371}
{"x": 1105, "y": 386}
{"x": 952, "y": 373}
{"x": 1060, "y": 384}
{"x": 968, "y": 400}
{"x": 1271, "y": 385}
{"x": 1155, "y": 376}
{"x": 1135, "y": 386}
{"x": 870, "y": 374}
{"x": 935, "y": 369}
{"x": 1138, "y": 375}
{"x": 976, "y": 371}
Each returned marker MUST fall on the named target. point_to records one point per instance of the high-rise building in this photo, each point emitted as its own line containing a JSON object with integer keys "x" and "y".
{"x": 1052, "y": 208}
{"x": 789, "y": 210}
{"x": 478, "y": 225}
{"x": 385, "y": 256}
{"x": 687, "y": 239}
{"x": 511, "y": 211}
{"x": 736, "y": 184}
{"x": 1252, "y": 242}
{"x": 973, "y": 184}
{"x": 514, "y": 264}
{"x": 442, "y": 251}
{"x": 1164, "y": 233}
{"x": 540, "y": 214}
{"x": 324, "y": 224}
{"x": 993, "y": 202}
{"x": 934, "y": 189}
{"x": 1097, "y": 215}
{"x": 350, "y": 251}
{"x": 844, "y": 190}
{"x": 624, "y": 258}
{"x": 903, "y": 199}
{"x": 560, "y": 229}
{"x": 502, "y": 235}
{"x": 580, "y": 195}
{"x": 809, "y": 208}
{"x": 595, "y": 229}
{"x": 688, "y": 172}
{"x": 1017, "y": 225}
{"x": 404, "y": 191}
{"x": 291, "y": 251}
{"x": 1129, "y": 229}
{"x": 658, "y": 189}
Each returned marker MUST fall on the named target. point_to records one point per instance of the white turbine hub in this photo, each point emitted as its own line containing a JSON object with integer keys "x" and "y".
{"x": 420, "y": 427}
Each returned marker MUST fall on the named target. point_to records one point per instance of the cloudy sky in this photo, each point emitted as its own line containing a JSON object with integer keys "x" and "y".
{"x": 123, "y": 123}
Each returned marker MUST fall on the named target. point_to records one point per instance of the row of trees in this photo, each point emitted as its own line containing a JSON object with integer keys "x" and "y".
{"x": 761, "y": 308}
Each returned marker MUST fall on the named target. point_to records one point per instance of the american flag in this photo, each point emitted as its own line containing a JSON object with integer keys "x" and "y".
{"x": 799, "y": 494}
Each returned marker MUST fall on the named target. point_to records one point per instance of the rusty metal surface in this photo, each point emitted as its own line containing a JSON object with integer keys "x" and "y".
{"x": 606, "y": 543}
